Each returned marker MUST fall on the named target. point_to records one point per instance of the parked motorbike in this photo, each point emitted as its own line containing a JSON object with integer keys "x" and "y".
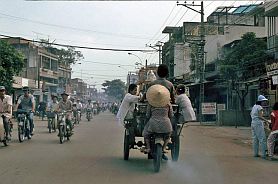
{"x": 63, "y": 127}
{"x": 51, "y": 121}
{"x": 23, "y": 119}
{"x": 4, "y": 136}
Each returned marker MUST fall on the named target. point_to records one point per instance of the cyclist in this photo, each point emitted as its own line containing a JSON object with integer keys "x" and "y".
{"x": 66, "y": 105}
{"x": 79, "y": 107}
{"x": 52, "y": 106}
{"x": 89, "y": 107}
{"x": 27, "y": 102}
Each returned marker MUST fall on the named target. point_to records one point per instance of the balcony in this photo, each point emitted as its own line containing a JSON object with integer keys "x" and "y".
{"x": 48, "y": 73}
{"x": 272, "y": 44}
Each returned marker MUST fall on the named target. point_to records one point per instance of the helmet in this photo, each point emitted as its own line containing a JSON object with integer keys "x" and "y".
{"x": 262, "y": 98}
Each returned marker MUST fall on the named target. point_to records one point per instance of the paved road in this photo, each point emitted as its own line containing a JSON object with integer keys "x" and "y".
{"x": 94, "y": 155}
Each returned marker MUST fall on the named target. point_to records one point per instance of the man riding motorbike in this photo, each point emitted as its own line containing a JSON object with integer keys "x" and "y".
{"x": 27, "y": 102}
{"x": 89, "y": 107}
{"x": 66, "y": 105}
{"x": 52, "y": 107}
{"x": 79, "y": 107}
{"x": 5, "y": 109}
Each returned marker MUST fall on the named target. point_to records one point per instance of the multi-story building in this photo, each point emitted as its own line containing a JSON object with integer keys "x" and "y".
{"x": 224, "y": 26}
{"x": 41, "y": 67}
{"x": 79, "y": 88}
{"x": 64, "y": 79}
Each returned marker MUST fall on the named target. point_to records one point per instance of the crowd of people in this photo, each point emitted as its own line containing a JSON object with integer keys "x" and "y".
{"x": 27, "y": 103}
{"x": 160, "y": 94}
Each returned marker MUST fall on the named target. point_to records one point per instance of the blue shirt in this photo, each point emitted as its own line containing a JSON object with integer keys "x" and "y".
{"x": 255, "y": 114}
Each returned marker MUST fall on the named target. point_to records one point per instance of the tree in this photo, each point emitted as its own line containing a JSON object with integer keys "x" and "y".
{"x": 11, "y": 63}
{"x": 65, "y": 56}
{"x": 242, "y": 60}
{"x": 114, "y": 89}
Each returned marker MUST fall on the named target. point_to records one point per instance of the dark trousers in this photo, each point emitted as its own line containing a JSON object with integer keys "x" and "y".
{"x": 6, "y": 124}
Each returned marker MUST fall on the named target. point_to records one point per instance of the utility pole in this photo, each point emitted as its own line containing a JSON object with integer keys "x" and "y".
{"x": 159, "y": 50}
{"x": 201, "y": 53}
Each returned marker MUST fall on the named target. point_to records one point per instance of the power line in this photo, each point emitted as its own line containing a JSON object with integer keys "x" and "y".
{"x": 83, "y": 47}
{"x": 106, "y": 63}
{"x": 66, "y": 39}
{"x": 163, "y": 24}
{"x": 74, "y": 28}
{"x": 99, "y": 75}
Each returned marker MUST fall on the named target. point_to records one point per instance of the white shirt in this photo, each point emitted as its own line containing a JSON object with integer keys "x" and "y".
{"x": 127, "y": 106}
{"x": 79, "y": 105}
{"x": 186, "y": 108}
{"x": 255, "y": 115}
{"x": 6, "y": 105}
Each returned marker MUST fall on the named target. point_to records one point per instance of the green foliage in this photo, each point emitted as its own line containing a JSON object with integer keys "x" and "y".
{"x": 11, "y": 63}
{"x": 65, "y": 56}
{"x": 241, "y": 56}
{"x": 114, "y": 89}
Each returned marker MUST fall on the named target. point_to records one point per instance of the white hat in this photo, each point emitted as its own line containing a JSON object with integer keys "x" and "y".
{"x": 158, "y": 96}
{"x": 262, "y": 98}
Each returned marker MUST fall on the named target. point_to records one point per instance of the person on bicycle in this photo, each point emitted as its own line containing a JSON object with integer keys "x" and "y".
{"x": 52, "y": 106}
{"x": 27, "y": 102}
{"x": 89, "y": 106}
{"x": 5, "y": 109}
{"x": 79, "y": 107}
{"x": 66, "y": 105}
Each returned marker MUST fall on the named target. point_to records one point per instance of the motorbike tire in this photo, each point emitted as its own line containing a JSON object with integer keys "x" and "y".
{"x": 175, "y": 148}
{"x": 49, "y": 125}
{"x": 68, "y": 134}
{"x": 126, "y": 146}
{"x": 21, "y": 133}
{"x": 5, "y": 142}
{"x": 157, "y": 157}
{"x": 61, "y": 134}
{"x": 53, "y": 125}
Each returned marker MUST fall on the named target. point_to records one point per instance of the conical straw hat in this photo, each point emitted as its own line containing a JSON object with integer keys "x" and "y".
{"x": 158, "y": 96}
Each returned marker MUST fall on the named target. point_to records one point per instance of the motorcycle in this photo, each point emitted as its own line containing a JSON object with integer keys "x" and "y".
{"x": 89, "y": 114}
{"x": 24, "y": 128}
{"x": 51, "y": 117}
{"x": 64, "y": 127}
{"x": 76, "y": 116}
{"x": 95, "y": 111}
{"x": 5, "y": 136}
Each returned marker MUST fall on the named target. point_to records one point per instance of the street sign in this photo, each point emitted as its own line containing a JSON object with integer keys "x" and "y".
{"x": 209, "y": 108}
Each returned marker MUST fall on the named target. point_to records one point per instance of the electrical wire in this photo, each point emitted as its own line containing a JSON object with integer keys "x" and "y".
{"x": 83, "y": 47}
{"x": 73, "y": 28}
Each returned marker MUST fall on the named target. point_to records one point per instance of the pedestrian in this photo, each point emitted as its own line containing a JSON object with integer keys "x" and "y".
{"x": 274, "y": 131}
{"x": 159, "y": 113}
{"x": 257, "y": 127}
{"x": 5, "y": 109}
{"x": 185, "y": 106}
{"x": 128, "y": 105}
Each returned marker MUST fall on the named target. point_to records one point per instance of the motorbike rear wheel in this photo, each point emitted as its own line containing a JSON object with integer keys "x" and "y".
{"x": 157, "y": 157}
{"x": 175, "y": 148}
{"x": 21, "y": 133}
{"x": 61, "y": 134}
{"x": 126, "y": 146}
{"x": 49, "y": 125}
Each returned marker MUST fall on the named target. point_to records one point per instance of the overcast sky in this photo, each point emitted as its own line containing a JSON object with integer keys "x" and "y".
{"x": 105, "y": 24}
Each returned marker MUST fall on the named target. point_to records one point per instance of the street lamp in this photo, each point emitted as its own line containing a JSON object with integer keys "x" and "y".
{"x": 137, "y": 57}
